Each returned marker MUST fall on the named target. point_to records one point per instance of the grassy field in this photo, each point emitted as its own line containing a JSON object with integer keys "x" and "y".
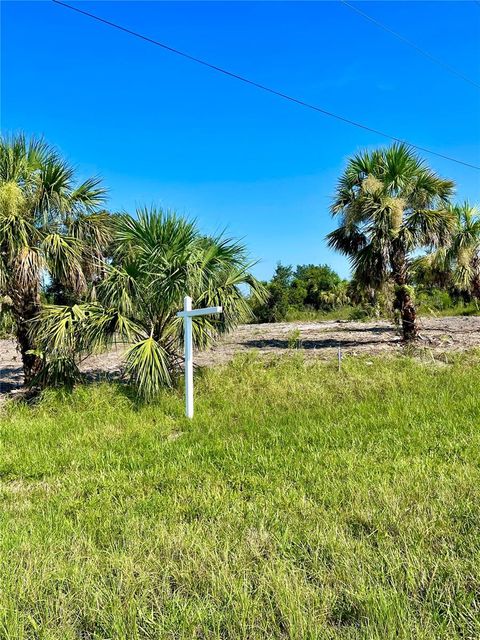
{"x": 357, "y": 313}
{"x": 301, "y": 502}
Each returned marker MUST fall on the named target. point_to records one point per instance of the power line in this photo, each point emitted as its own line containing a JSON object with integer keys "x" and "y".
{"x": 424, "y": 53}
{"x": 263, "y": 87}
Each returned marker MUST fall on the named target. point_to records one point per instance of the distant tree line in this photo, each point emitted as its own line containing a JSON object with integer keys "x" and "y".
{"x": 404, "y": 237}
{"x": 317, "y": 292}
{"x": 308, "y": 287}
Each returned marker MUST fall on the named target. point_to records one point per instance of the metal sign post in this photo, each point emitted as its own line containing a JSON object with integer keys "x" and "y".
{"x": 187, "y": 314}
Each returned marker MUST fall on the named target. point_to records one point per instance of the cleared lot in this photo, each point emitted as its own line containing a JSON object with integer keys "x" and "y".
{"x": 317, "y": 339}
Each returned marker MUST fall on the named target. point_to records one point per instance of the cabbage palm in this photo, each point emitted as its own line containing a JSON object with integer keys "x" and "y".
{"x": 461, "y": 258}
{"x": 335, "y": 297}
{"x": 158, "y": 259}
{"x": 463, "y": 255}
{"x": 50, "y": 227}
{"x": 390, "y": 203}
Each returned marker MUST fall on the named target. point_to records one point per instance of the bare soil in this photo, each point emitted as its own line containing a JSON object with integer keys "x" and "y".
{"x": 315, "y": 339}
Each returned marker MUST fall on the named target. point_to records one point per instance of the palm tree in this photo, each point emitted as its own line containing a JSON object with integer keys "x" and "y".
{"x": 158, "y": 259}
{"x": 390, "y": 204}
{"x": 335, "y": 297}
{"x": 460, "y": 260}
{"x": 50, "y": 228}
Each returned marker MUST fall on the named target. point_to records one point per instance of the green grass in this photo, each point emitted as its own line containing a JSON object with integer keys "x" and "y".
{"x": 301, "y": 502}
{"x": 311, "y": 315}
{"x": 347, "y": 312}
{"x": 470, "y": 309}
{"x": 358, "y": 313}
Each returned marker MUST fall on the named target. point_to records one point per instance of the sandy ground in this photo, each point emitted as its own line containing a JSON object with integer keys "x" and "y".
{"x": 316, "y": 339}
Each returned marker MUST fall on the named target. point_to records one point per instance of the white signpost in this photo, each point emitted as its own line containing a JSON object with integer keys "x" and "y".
{"x": 187, "y": 314}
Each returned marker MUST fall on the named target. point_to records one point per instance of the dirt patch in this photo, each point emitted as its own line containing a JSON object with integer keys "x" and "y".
{"x": 315, "y": 339}
{"x": 323, "y": 339}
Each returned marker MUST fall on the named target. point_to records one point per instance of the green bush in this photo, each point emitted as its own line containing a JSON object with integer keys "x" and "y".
{"x": 309, "y": 289}
{"x": 437, "y": 299}
{"x": 7, "y": 324}
{"x": 360, "y": 313}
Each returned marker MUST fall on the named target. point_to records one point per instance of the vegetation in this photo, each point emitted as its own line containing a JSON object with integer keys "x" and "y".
{"x": 306, "y": 499}
{"x": 308, "y": 288}
{"x": 390, "y": 205}
{"x": 435, "y": 295}
{"x": 302, "y": 502}
{"x": 444, "y": 281}
{"x": 75, "y": 278}
{"x": 157, "y": 258}
{"x": 456, "y": 267}
{"x": 49, "y": 225}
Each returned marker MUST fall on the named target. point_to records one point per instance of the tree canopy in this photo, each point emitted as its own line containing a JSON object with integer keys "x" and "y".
{"x": 158, "y": 258}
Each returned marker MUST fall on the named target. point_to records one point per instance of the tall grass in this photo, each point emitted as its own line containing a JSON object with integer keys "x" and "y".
{"x": 346, "y": 312}
{"x": 368, "y": 314}
{"x": 301, "y": 502}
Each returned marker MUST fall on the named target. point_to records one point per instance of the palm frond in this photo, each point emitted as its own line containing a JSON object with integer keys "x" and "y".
{"x": 121, "y": 288}
{"x": 428, "y": 228}
{"x": 371, "y": 265}
{"x": 148, "y": 366}
{"x": 59, "y": 370}
{"x": 26, "y": 269}
{"x": 155, "y": 232}
{"x": 19, "y": 158}
{"x": 93, "y": 229}
{"x": 57, "y": 329}
{"x": 347, "y": 240}
{"x": 63, "y": 257}
{"x": 88, "y": 196}
{"x": 104, "y": 327}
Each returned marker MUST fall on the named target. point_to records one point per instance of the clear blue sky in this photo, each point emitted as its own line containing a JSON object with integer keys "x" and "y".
{"x": 161, "y": 129}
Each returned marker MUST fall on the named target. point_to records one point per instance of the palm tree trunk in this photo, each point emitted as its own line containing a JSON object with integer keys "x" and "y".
{"x": 475, "y": 287}
{"x": 26, "y": 305}
{"x": 31, "y": 362}
{"x": 408, "y": 314}
{"x": 403, "y": 299}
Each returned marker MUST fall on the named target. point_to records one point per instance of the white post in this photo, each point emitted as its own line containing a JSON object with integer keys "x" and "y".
{"x": 187, "y": 315}
{"x": 187, "y": 306}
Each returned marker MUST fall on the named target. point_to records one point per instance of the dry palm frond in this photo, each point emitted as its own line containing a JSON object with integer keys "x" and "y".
{"x": 26, "y": 269}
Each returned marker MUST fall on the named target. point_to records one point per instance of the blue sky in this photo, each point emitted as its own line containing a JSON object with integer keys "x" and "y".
{"x": 161, "y": 129}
